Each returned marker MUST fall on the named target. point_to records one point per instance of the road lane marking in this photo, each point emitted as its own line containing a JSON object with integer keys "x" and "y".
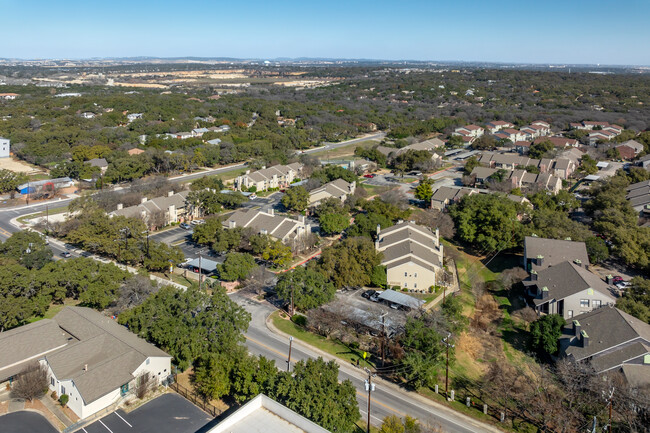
{"x": 105, "y": 426}
{"x": 265, "y": 346}
{"x": 127, "y": 423}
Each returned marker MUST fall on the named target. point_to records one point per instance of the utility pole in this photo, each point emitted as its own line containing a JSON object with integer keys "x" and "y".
{"x": 370, "y": 387}
{"x": 47, "y": 218}
{"x": 383, "y": 339}
{"x": 289, "y": 358}
{"x": 291, "y": 313}
{"x": 200, "y": 271}
{"x": 448, "y": 344}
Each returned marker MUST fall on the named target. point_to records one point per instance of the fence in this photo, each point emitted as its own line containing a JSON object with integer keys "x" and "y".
{"x": 188, "y": 394}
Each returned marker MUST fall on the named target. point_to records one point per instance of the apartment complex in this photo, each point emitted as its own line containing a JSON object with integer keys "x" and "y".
{"x": 278, "y": 176}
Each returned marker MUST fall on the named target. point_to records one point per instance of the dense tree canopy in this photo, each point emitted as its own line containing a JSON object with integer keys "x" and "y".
{"x": 308, "y": 287}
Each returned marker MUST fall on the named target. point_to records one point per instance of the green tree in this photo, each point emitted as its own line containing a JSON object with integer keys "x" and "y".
{"x": 28, "y": 248}
{"x": 252, "y": 376}
{"x": 9, "y": 180}
{"x": 424, "y": 191}
{"x": 596, "y": 249}
{"x": 333, "y": 223}
{"x": 487, "y": 221}
{"x": 159, "y": 256}
{"x": 349, "y": 263}
{"x": 277, "y": 253}
{"x": 333, "y": 172}
{"x": 378, "y": 278}
{"x": 206, "y": 233}
{"x": 539, "y": 150}
{"x": 310, "y": 288}
{"x": 545, "y": 334}
{"x": 211, "y": 377}
{"x": 471, "y": 164}
{"x": 296, "y": 198}
{"x": 237, "y": 266}
{"x": 424, "y": 350}
{"x": 313, "y": 390}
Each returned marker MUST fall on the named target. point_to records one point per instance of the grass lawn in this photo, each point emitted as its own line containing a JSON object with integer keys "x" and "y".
{"x": 375, "y": 189}
{"x": 179, "y": 279}
{"x": 332, "y": 347}
{"x": 56, "y": 211}
{"x": 53, "y": 310}
{"x": 343, "y": 150}
{"x": 39, "y": 176}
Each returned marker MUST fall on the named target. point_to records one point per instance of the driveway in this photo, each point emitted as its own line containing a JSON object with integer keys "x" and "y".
{"x": 25, "y": 422}
{"x": 169, "y": 413}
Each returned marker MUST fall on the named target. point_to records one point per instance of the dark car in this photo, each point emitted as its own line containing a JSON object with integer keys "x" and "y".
{"x": 368, "y": 293}
{"x": 66, "y": 254}
{"x": 185, "y": 226}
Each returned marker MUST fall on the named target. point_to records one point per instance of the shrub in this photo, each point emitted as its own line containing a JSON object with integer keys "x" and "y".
{"x": 64, "y": 399}
{"x": 396, "y": 288}
{"x": 54, "y": 395}
{"x": 299, "y": 320}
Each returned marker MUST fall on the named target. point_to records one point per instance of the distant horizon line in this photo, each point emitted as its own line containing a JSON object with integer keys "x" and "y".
{"x": 327, "y": 59}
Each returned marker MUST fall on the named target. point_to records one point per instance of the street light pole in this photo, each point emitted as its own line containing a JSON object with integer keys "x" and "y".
{"x": 289, "y": 358}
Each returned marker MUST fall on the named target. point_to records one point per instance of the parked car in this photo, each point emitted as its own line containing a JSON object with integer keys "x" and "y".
{"x": 197, "y": 222}
{"x": 66, "y": 254}
{"x": 185, "y": 226}
{"x": 394, "y": 306}
{"x": 368, "y": 293}
{"x": 617, "y": 279}
{"x": 622, "y": 285}
{"x": 375, "y": 296}
{"x": 369, "y": 175}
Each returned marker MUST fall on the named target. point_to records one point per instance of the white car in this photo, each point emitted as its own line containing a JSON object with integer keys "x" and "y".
{"x": 197, "y": 222}
{"x": 622, "y": 285}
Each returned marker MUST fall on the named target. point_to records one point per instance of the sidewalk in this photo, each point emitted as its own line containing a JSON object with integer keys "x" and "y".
{"x": 56, "y": 410}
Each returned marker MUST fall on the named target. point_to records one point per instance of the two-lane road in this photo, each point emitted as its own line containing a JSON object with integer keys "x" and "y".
{"x": 386, "y": 399}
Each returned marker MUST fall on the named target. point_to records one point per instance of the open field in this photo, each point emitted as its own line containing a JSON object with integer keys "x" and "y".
{"x": 17, "y": 166}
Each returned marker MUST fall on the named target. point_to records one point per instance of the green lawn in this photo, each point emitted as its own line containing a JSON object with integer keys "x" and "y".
{"x": 344, "y": 150}
{"x": 332, "y": 347}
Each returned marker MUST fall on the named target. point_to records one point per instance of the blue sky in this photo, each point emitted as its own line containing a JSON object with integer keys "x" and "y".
{"x": 525, "y": 31}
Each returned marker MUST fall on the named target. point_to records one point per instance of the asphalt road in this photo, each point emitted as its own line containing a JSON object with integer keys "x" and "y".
{"x": 384, "y": 401}
{"x": 25, "y": 422}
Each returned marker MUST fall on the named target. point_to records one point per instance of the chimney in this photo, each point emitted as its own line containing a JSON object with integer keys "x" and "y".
{"x": 584, "y": 338}
{"x": 248, "y": 172}
{"x": 540, "y": 260}
{"x": 271, "y": 212}
{"x": 170, "y": 193}
{"x": 143, "y": 200}
{"x": 85, "y": 367}
{"x": 120, "y": 206}
{"x": 378, "y": 230}
{"x": 533, "y": 275}
{"x": 578, "y": 262}
{"x": 301, "y": 218}
{"x": 544, "y": 292}
{"x": 576, "y": 328}
{"x": 232, "y": 224}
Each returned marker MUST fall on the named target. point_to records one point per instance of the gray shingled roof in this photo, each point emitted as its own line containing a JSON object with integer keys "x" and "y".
{"x": 614, "y": 359}
{"x": 566, "y": 279}
{"x": 554, "y": 251}
{"x": 274, "y": 225}
{"x": 607, "y": 327}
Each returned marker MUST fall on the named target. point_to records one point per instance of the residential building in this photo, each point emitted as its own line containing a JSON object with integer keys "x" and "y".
{"x": 469, "y": 131}
{"x": 263, "y": 414}
{"x": 9, "y": 96}
{"x": 88, "y": 115}
{"x": 520, "y": 178}
{"x": 428, "y": 145}
{"x": 198, "y": 132}
{"x": 638, "y": 195}
{"x": 497, "y": 125}
{"x": 100, "y": 163}
{"x": 339, "y": 189}
{"x": 278, "y": 227}
{"x": 5, "y": 147}
{"x": 447, "y": 195}
{"x": 629, "y": 149}
{"x": 560, "y": 142}
{"x": 540, "y": 253}
{"x": 522, "y": 147}
{"x": 133, "y": 116}
{"x": 278, "y": 176}
{"x": 135, "y": 151}
{"x": 160, "y": 211}
{"x": 89, "y": 357}
{"x": 602, "y": 135}
{"x": 610, "y": 340}
{"x": 567, "y": 289}
{"x": 511, "y": 134}
{"x": 412, "y": 254}
{"x": 644, "y": 161}
{"x": 214, "y": 141}
{"x": 588, "y": 125}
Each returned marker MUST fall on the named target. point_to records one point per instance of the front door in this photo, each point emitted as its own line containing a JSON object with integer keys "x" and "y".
{"x": 124, "y": 389}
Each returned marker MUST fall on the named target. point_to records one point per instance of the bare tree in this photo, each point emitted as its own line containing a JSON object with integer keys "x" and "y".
{"x": 436, "y": 219}
{"x": 396, "y": 197}
{"x": 31, "y": 383}
{"x": 142, "y": 384}
{"x": 133, "y": 292}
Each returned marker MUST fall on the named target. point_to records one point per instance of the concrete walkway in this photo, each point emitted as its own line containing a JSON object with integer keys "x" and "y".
{"x": 15, "y": 405}
{"x": 56, "y": 410}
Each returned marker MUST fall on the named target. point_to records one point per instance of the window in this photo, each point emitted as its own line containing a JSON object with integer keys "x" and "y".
{"x": 595, "y": 303}
{"x": 62, "y": 389}
{"x": 415, "y": 285}
{"x": 52, "y": 381}
{"x": 416, "y": 275}
{"x": 406, "y": 274}
{"x": 570, "y": 313}
{"x": 406, "y": 285}
{"x": 584, "y": 303}
{"x": 147, "y": 361}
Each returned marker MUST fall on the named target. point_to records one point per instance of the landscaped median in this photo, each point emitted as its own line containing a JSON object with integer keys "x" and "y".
{"x": 334, "y": 348}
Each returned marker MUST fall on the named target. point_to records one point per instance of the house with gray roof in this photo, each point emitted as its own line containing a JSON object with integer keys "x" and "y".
{"x": 610, "y": 340}
{"x": 446, "y": 195}
{"x": 412, "y": 254}
{"x": 278, "y": 176}
{"x": 567, "y": 289}
{"x": 160, "y": 211}
{"x": 540, "y": 253}
{"x": 88, "y": 356}
{"x": 339, "y": 189}
{"x": 638, "y": 194}
{"x": 278, "y": 227}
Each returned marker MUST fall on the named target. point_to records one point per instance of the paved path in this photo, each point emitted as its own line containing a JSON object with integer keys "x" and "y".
{"x": 56, "y": 410}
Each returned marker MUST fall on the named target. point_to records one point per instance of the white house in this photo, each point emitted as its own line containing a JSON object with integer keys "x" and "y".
{"x": 89, "y": 357}
{"x": 469, "y": 131}
{"x": 278, "y": 176}
{"x": 5, "y": 147}
{"x": 497, "y": 125}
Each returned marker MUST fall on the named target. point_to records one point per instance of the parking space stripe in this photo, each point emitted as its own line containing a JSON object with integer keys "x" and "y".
{"x": 105, "y": 426}
{"x": 86, "y": 431}
{"x": 127, "y": 423}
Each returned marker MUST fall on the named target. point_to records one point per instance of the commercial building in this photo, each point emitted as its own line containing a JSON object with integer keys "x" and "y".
{"x": 5, "y": 147}
{"x": 412, "y": 254}
{"x": 89, "y": 357}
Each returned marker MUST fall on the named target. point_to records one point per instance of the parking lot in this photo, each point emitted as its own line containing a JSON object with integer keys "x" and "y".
{"x": 25, "y": 422}
{"x": 169, "y": 413}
